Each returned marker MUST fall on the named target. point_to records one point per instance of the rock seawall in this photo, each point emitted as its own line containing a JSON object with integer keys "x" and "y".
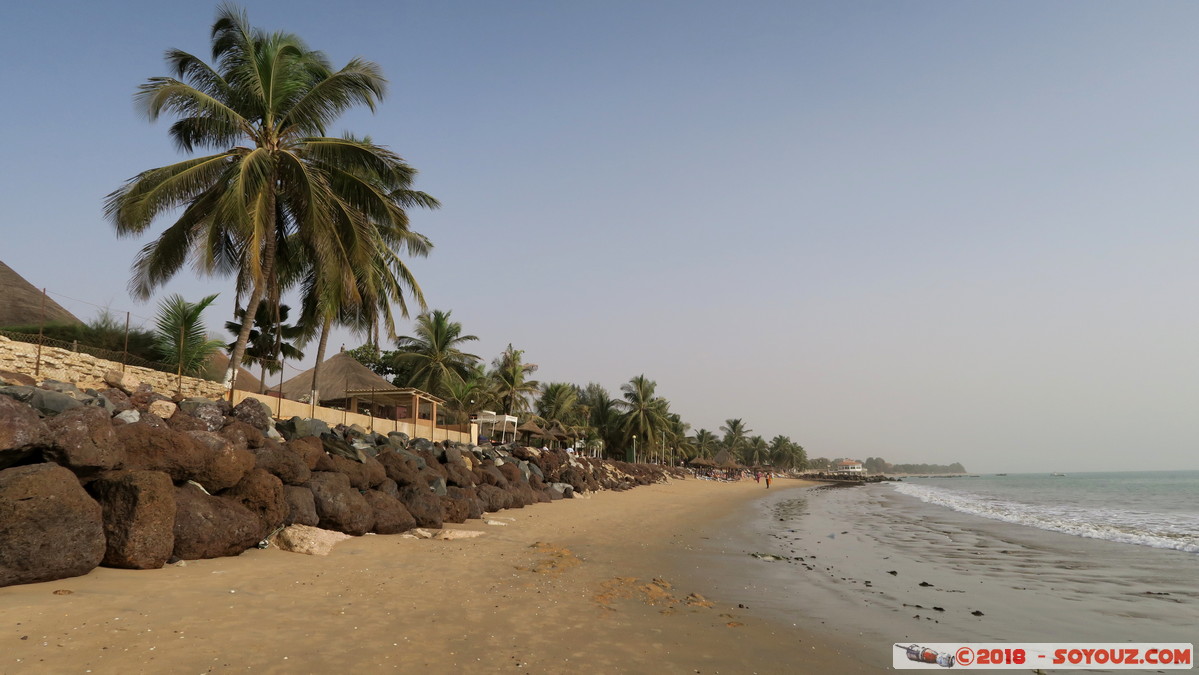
{"x": 122, "y": 476}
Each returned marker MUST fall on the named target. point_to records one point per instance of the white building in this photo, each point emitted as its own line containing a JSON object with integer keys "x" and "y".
{"x": 849, "y": 466}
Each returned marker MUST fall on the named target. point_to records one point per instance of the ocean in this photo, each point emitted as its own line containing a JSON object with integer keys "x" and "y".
{"x": 1108, "y": 557}
{"x": 1159, "y": 509}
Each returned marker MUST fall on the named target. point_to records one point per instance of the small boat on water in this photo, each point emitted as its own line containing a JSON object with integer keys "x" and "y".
{"x": 1001, "y": 474}
{"x": 1058, "y": 475}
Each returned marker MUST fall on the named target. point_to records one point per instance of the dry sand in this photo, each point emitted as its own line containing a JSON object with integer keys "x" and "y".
{"x": 583, "y": 585}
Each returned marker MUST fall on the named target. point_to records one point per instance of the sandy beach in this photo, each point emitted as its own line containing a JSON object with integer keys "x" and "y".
{"x": 604, "y": 583}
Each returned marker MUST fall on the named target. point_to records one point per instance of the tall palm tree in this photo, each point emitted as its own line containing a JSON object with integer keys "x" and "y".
{"x": 736, "y": 435}
{"x": 433, "y": 352}
{"x": 509, "y": 373}
{"x": 646, "y": 414}
{"x": 706, "y": 443}
{"x": 264, "y": 108}
{"x": 559, "y": 401}
{"x": 604, "y": 416}
{"x": 756, "y": 451}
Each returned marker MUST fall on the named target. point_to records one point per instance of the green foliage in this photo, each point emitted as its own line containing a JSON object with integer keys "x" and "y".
{"x": 105, "y": 332}
{"x": 180, "y": 336}
{"x": 270, "y": 340}
{"x": 432, "y": 356}
{"x": 510, "y": 374}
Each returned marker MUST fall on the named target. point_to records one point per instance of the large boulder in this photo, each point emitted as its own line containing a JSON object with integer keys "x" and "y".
{"x": 424, "y": 506}
{"x": 474, "y": 506}
{"x": 454, "y": 510}
{"x": 225, "y": 464}
{"x": 157, "y": 448}
{"x": 400, "y": 468}
{"x": 208, "y": 412}
{"x": 255, "y": 413}
{"x": 363, "y": 475}
{"x": 391, "y": 517}
{"x": 282, "y": 461}
{"x": 139, "y": 517}
{"x": 301, "y": 506}
{"x": 242, "y": 435}
{"x": 309, "y": 448}
{"x": 493, "y": 498}
{"x": 21, "y": 431}
{"x": 119, "y": 400}
{"x": 339, "y": 506}
{"x": 212, "y": 527}
{"x": 48, "y": 403}
{"x": 262, "y": 494}
{"x": 49, "y": 527}
{"x": 83, "y": 440}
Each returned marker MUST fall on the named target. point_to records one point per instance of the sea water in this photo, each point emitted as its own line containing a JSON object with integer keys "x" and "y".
{"x": 1079, "y": 558}
{"x": 1159, "y": 509}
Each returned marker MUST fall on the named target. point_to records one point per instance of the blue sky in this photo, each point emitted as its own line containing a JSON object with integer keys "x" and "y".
{"x": 927, "y": 231}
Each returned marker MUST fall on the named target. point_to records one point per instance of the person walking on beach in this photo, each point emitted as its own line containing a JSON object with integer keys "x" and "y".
{"x": 767, "y": 480}
{"x": 757, "y": 476}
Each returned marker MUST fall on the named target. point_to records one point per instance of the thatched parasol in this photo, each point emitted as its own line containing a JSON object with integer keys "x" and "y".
{"x": 338, "y": 375}
{"x": 21, "y": 302}
{"x": 701, "y": 461}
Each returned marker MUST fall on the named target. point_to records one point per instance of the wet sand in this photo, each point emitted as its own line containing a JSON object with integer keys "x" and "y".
{"x": 882, "y": 568}
{"x": 603, "y": 583}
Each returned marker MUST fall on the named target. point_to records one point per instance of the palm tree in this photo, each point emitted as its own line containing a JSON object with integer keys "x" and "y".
{"x": 509, "y": 373}
{"x": 433, "y": 353}
{"x": 468, "y": 396}
{"x": 756, "y": 451}
{"x": 559, "y": 401}
{"x": 646, "y": 415}
{"x": 263, "y": 107}
{"x": 180, "y": 337}
{"x": 270, "y": 339}
{"x": 604, "y": 416}
{"x": 736, "y": 435}
{"x": 706, "y": 443}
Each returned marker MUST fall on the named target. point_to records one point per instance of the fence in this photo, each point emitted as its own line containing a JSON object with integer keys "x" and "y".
{"x": 123, "y": 358}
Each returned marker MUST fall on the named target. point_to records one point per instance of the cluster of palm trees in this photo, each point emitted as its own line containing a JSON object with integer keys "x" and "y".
{"x": 277, "y": 203}
{"x": 637, "y": 423}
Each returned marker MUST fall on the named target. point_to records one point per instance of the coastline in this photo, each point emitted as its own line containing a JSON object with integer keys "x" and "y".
{"x": 595, "y": 583}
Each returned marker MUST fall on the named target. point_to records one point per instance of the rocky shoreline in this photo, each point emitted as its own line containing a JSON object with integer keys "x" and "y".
{"x": 129, "y": 478}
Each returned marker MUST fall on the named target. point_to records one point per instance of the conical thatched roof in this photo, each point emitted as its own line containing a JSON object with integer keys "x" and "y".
{"x": 338, "y": 374}
{"x": 218, "y": 363}
{"x": 725, "y": 460}
{"x": 21, "y": 302}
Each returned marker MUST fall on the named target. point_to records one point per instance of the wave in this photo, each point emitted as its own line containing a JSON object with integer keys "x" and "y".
{"x": 1158, "y": 530}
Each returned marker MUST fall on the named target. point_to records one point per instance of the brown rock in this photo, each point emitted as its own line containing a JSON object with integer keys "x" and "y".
{"x": 120, "y": 400}
{"x": 225, "y": 465}
{"x": 282, "y": 461}
{"x": 49, "y": 527}
{"x": 453, "y": 510}
{"x": 391, "y": 517}
{"x": 309, "y": 448}
{"x": 424, "y": 506}
{"x": 474, "y": 505}
{"x": 255, "y": 413}
{"x": 17, "y": 379}
{"x": 139, "y": 517}
{"x": 21, "y": 431}
{"x": 339, "y": 506}
{"x": 160, "y": 449}
{"x": 301, "y": 506}
{"x": 399, "y": 468}
{"x": 162, "y": 408}
{"x": 261, "y": 494}
{"x": 494, "y": 499}
{"x": 82, "y": 439}
{"x": 363, "y": 475}
{"x": 211, "y": 527}
{"x": 242, "y": 435}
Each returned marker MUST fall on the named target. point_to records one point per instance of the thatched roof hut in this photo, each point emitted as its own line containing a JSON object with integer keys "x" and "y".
{"x": 21, "y": 302}
{"x": 339, "y": 374}
{"x": 724, "y": 460}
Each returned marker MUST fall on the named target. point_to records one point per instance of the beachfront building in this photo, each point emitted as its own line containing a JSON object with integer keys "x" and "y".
{"x": 496, "y": 427}
{"x": 850, "y": 466}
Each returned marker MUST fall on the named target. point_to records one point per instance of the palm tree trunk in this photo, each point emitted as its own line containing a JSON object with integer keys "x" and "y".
{"x": 243, "y": 336}
{"x": 320, "y": 356}
{"x": 261, "y": 285}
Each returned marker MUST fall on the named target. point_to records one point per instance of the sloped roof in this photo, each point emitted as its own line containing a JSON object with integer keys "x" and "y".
{"x": 21, "y": 302}
{"x": 218, "y": 363}
{"x": 339, "y": 374}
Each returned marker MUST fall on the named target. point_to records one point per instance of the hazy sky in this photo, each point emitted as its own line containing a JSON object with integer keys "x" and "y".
{"x": 927, "y": 231}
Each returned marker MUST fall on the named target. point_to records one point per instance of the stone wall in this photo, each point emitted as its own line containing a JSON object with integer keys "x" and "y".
{"x": 87, "y": 372}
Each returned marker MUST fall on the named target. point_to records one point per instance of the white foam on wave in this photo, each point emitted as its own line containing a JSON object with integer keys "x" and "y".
{"x": 1169, "y": 531}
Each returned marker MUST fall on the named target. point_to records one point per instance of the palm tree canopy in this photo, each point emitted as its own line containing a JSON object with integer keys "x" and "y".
{"x": 433, "y": 353}
{"x": 274, "y": 182}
